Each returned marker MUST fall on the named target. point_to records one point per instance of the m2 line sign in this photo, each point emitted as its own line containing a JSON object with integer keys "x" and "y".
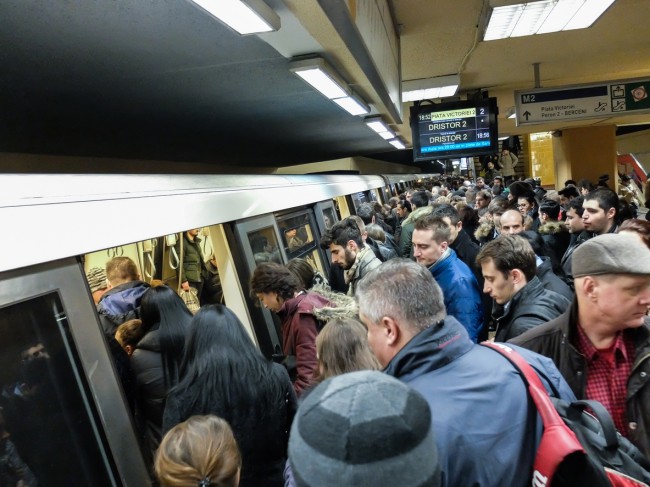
{"x": 601, "y": 100}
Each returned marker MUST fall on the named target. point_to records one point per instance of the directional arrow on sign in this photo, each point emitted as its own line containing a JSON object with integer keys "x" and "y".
{"x": 526, "y": 114}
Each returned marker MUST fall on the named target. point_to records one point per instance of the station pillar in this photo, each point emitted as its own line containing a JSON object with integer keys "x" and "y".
{"x": 585, "y": 152}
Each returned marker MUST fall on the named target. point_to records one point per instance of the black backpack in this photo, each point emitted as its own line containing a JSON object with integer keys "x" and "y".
{"x": 578, "y": 448}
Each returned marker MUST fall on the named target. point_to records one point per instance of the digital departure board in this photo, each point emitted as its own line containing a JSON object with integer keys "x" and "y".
{"x": 455, "y": 129}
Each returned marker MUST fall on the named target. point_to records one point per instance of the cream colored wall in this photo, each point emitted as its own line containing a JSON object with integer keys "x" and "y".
{"x": 363, "y": 165}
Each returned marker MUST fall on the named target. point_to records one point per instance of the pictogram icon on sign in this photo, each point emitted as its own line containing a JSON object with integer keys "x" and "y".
{"x": 618, "y": 91}
{"x": 639, "y": 93}
{"x": 618, "y": 105}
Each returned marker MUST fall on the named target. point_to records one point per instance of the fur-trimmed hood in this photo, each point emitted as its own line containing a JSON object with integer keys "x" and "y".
{"x": 551, "y": 227}
{"x": 417, "y": 213}
{"x": 345, "y": 306}
{"x": 484, "y": 230}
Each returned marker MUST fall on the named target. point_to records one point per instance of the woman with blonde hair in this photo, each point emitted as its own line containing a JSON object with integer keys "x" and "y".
{"x": 342, "y": 347}
{"x": 202, "y": 452}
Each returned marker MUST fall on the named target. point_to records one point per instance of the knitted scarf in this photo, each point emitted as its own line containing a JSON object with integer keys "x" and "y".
{"x": 350, "y": 273}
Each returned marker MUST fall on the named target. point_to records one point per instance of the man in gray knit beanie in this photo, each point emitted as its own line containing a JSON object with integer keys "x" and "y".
{"x": 363, "y": 429}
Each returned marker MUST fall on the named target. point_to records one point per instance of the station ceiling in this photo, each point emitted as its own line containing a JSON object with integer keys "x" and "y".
{"x": 162, "y": 80}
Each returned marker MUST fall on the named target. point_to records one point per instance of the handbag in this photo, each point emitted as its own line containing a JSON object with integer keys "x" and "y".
{"x": 191, "y": 299}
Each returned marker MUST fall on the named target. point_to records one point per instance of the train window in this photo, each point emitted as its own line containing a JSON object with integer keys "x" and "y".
{"x": 46, "y": 408}
{"x": 329, "y": 217}
{"x": 264, "y": 245}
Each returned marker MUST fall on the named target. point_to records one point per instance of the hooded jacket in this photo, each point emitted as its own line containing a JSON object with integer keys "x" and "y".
{"x": 531, "y": 306}
{"x": 408, "y": 225}
{"x": 120, "y": 304}
{"x": 485, "y": 232}
{"x": 557, "y": 237}
{"x": 556, "y": 340}
{"x": 460, "y": 290}
{"x": 299, "y": 330}
{"x": 461, "y": 380}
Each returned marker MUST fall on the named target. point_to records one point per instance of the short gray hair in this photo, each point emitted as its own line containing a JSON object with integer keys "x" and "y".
{"x": 402, "y": 290}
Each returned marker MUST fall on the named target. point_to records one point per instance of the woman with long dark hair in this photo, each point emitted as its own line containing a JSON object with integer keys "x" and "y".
{"x": 224, "y": 374}
{"x": 157, "y": 357}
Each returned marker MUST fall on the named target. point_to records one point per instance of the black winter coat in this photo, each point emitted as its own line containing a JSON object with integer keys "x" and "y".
{"x": 147, "y": 365}
{"x": 551, "y": 281}
{"x": 529, "y": 307}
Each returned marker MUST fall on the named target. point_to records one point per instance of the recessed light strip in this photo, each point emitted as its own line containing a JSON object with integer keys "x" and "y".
{"x": 243, "y": 16}
{"x": 542, "y": 17}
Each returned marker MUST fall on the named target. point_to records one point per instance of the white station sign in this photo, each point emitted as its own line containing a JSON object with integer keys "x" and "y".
{"x": 602, "y": 100}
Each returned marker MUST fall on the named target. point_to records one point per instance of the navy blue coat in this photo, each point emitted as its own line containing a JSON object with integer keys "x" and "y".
{"x": 461, "y": 293}
{"x": 463, "y": 381}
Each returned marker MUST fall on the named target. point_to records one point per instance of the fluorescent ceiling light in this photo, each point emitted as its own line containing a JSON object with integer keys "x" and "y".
{"x": 543, "y": 16}
{"x": 353, "y": 106}
{"x": 320, "y": 76}
{"x": 376, "y": 124}
{"x": 325, "y": 79}
{"x": 387, "y": 135}
{"x": 397, "y": 143}
{"x": 430, "y": 88}
{"x": 244, "y": 16}
{"x": 504, "y": 137}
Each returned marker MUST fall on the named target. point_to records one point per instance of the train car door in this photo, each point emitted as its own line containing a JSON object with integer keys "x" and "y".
{"x": 259, "y": 241}
{"x": 61, "y": 405}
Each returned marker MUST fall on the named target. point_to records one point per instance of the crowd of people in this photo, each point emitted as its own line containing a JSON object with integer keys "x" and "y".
{"x": 380, "y": 379}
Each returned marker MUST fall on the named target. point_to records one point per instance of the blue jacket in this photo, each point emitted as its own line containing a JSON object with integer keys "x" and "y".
{"x": 460, "y": 291}
{"x": 480, "y": 407}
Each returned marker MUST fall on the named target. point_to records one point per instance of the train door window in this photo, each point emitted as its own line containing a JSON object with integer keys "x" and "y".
{"x": 300, "y": 236}
{"x": 358, "y": 199}
{"x": 326, "y": 217}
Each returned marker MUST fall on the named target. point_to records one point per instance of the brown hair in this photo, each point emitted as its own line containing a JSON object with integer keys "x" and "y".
{"x": 441, "y": 231}
{"x": 202, "y": 448}
{"x": 270, "y": 277}
{"x": 120, "y": 270}
{"x": 342, "y": 346}
{"x": 303, "y": 270}
{"x": 510, "y": 252}
{"x": 130, "y": 332}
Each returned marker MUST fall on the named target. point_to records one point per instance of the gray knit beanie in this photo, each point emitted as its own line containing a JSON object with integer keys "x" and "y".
{"x": 363, "y": 429}
{"x": 96, "y": 279}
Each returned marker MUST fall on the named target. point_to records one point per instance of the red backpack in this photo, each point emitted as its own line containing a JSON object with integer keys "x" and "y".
{"x": 578, "y": 448}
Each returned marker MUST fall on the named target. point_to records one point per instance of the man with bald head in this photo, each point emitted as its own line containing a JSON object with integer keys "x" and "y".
{"x": 512, "y": 222}
{"x": 601, "y": 344}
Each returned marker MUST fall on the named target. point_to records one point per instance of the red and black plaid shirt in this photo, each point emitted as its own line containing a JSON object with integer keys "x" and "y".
{"x": 607, "y": 375}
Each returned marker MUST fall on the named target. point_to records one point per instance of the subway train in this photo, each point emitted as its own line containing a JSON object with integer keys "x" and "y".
{"x": 57, "y": 376}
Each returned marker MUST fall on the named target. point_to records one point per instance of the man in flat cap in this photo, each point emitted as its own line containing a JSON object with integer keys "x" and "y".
{"x": 601, "y": 344}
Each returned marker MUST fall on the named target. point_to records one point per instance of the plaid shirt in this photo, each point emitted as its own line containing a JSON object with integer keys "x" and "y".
{"x": 607, "y": 375}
